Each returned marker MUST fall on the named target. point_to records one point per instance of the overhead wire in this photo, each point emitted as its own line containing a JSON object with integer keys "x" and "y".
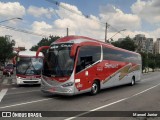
{"x": 64, "y": 7}
{"x": 68, "y": 9}
{"x": 86, "y": 16}
{"x": 21, "y": 30}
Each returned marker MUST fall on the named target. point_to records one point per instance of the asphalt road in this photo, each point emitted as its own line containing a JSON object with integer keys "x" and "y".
{"x": 144, "y": 96}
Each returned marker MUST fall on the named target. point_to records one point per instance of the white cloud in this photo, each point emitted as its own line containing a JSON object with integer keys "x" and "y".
{"x": 40, "y": 11}
{"x": 41, "y": 27}
{"x": 149, "y": 34}
{"x": 21, "y": 39}
{"x": 79, "y": 25}
{"x": 155, "y": 33}
{"x": 11, "y": 9}
{"x": 119, "y": 19}
{"x": 147, "y": 10}
{"x": 65, "y": 13}
{"x": 46, "y": 29}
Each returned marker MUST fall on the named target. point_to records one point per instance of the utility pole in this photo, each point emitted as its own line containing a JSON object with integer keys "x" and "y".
{"x": 67, "y": 31}
{"x": 106, "y": 32}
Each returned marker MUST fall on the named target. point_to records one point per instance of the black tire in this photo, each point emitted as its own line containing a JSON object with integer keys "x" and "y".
{"x": 95, "y": 88}
{"x": 132, "y": 81}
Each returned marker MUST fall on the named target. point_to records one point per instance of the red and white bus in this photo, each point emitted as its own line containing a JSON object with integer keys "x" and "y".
{"x": 28, "y": 67}
{"x": 77, "y": 64}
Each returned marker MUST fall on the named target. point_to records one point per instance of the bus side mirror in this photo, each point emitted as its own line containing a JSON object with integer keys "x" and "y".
{"x": 40, "y": 49}
{"x": 73, "y": 50}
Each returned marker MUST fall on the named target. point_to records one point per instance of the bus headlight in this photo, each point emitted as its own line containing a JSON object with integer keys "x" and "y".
{"x": 67, "y": 84}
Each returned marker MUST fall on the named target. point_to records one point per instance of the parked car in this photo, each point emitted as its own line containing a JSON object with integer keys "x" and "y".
{"x": 8, "y": 70}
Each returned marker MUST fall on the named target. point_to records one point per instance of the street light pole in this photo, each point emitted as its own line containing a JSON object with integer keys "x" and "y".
{"x": 67, "y": 31}
{"x": 106, "y": 29}
{"x": 116, "y": 33}
{"x": 11, "y": 19}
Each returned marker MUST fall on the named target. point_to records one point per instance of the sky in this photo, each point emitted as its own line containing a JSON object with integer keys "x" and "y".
{"x": 45, "y": 18}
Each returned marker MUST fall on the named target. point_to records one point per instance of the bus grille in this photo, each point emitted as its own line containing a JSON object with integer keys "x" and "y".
{"x": 30, "y": 81}
{"x": 53, "y": 82}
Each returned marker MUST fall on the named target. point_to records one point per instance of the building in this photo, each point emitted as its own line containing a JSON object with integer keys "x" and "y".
{"x": 157, "y": 46}
{"x": 149, "y": 45}
{"x": 143, "y": 44}
{"x": 140, "y": 42}
{"x": 17, "y": 49}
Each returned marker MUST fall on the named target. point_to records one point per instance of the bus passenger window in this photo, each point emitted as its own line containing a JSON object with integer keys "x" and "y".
{"x": 87, "y": 56}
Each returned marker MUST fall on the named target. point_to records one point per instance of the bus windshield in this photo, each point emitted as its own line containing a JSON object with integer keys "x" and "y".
{"x": 58, "y": 61}
{"x": 29, "y": 66}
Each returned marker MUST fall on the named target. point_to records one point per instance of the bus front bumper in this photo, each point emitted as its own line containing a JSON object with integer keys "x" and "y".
{"x": 58, "y": 90}
{"x": 27, "y": 81}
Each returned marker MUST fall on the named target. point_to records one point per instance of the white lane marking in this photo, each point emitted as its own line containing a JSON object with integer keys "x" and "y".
{"x": 96, "y": 109}
{"x": 2, "y": 93}
{"x": 144, "y": 90}
{"x": 24, "y": 103}
{"x": 107, "y": 105}
{"x": 22, "y": 92}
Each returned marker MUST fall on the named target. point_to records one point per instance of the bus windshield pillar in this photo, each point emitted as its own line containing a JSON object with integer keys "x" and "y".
{"x": 40, "y": 49}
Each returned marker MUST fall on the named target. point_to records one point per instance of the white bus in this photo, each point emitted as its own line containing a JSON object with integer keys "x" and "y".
{"x": 28, "y": 68}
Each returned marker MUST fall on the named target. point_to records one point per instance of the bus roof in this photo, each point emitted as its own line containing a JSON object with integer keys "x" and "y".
{"x": 29, "y": 54}
{"x": 80, "y": 39}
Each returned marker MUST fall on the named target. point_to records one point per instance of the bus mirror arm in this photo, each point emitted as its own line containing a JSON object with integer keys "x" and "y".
{"x": 40, "y": 49}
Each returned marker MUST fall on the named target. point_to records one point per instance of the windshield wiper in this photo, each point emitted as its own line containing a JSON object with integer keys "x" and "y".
{"x": 26, "y": 69}
{"x": 34, "y": 68}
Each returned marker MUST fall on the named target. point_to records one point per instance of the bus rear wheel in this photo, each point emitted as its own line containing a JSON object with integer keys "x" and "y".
{"x": 95, "y": 88}
{"x": 132, "y": 81}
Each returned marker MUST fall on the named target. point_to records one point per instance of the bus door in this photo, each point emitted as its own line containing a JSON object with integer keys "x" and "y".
{"x": 88, "y": 58}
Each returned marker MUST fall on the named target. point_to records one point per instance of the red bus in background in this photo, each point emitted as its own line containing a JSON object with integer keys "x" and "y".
{"x": 28, "y": 67}
{"x": 77, "y": 64}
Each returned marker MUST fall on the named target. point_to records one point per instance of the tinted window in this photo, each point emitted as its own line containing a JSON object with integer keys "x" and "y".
{"x": 58, "y": 61}
{"x": 87, "y": 56}
{"x": 29, "y": 66}
{"x": 116, "y": 55}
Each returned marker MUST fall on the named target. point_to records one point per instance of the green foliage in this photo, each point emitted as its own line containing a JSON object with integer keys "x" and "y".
{"x": 44, "y": 42}
{"x": 127, "y": 44}
{"x": 148, "y": 60}
{"x": 6, "y": 49}
{"x": 144, "y": 60}
{"x": 157, "y": 60}
{"x": 151, "y": 64}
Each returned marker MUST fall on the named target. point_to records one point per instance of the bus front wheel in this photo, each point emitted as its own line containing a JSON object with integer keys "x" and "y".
{"x": 95, "y": 88}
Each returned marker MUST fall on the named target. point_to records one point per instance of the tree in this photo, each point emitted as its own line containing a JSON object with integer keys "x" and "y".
{"x": 157, "y": 60}
{"x": 151, "y": 64}
{"x": 144, "y": 61}
{"x": 6, "y": 49}
{"x": 127, "y": 44}
{"x": 44, "y": 42}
